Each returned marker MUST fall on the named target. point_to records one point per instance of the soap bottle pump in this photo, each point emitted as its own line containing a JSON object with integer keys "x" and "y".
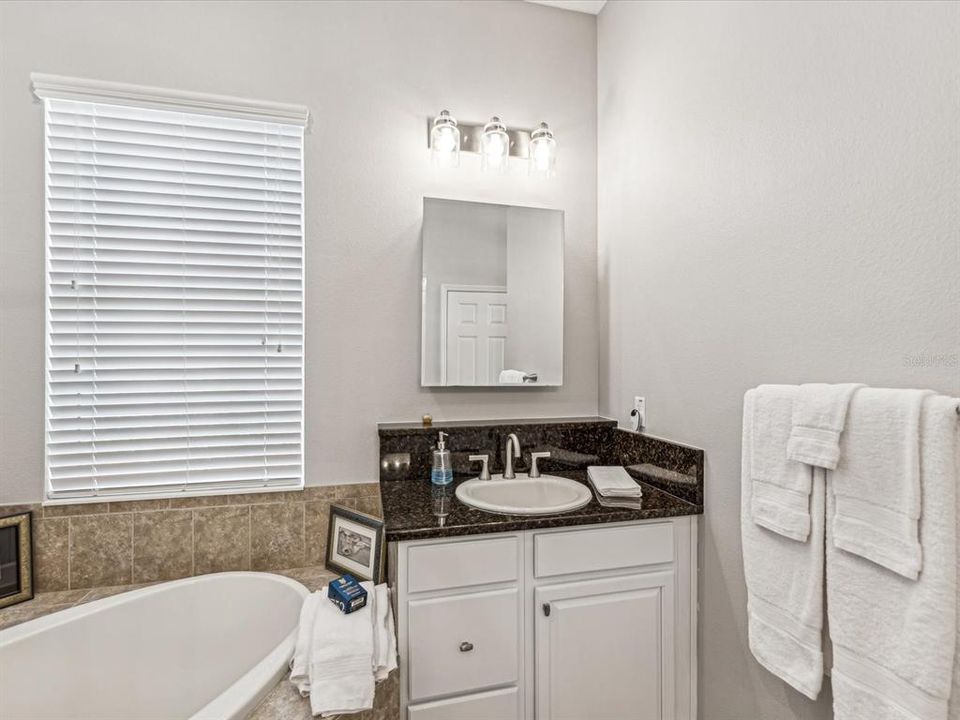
{"x": 442, "y": 473}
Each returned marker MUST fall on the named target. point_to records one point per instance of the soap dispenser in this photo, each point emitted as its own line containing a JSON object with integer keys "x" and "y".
{"x": 442, "y": 473}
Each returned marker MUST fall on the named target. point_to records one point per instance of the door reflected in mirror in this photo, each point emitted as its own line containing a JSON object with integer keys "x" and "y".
{"x": 492, "y": 295}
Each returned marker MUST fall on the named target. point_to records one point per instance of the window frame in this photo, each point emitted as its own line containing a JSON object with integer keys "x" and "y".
{"x": 46, "y": 87}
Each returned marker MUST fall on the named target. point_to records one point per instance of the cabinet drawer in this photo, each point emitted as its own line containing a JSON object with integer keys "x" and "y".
{"x": 608, "y": 548}
{"x": 463, "y": 643}
{"x": 494, "y": 705}
{"x": 461, "y": 564}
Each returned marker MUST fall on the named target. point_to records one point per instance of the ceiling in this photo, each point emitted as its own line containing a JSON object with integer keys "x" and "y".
{"x": 593, "y": 7}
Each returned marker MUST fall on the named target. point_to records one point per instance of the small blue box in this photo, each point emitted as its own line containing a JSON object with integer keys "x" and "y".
{"x": 347, "y": 594}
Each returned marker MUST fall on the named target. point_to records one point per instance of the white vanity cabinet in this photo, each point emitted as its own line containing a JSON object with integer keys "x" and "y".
{"x": 595, "y": 622}
{"x": 604, "y": 648}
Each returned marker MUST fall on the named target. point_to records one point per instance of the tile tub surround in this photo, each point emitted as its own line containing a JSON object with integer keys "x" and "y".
{"x": 406, "y": 450}
{"x": 283, "y": 702}
{"x": 108, "y": 544}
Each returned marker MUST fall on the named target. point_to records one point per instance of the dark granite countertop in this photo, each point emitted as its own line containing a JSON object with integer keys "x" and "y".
{"x": 411, "y": 507}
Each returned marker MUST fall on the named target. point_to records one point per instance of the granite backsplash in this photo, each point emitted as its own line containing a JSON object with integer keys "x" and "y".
{"x": 574, "y": 443}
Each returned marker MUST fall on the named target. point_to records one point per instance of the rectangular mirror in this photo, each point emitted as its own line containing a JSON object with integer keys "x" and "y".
{"x": 492, "y": 295}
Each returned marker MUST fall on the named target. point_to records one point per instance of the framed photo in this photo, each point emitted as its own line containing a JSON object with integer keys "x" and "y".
{"x": 355, "y": 544}
{"x": 16, "y": 559}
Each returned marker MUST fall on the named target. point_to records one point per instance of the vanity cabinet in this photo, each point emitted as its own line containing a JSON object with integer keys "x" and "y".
{"x": 604, "y": 648}
{"x": 596, "y": 621}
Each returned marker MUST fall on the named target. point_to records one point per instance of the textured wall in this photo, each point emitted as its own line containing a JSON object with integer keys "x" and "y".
{"x": 371, "y": 73}
{"x": 778, "y": 202}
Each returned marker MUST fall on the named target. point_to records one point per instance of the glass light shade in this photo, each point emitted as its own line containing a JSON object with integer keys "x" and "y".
{"x": 445, "y": 140}
{"x": 543, "y": 152}
{"x": 494, "y": 145}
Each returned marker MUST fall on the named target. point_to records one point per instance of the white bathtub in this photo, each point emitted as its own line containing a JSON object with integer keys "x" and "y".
{"x": 206, "y": 647}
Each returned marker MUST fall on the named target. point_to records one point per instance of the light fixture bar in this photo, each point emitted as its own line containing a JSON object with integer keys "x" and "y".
{"x": 470, "y": 135}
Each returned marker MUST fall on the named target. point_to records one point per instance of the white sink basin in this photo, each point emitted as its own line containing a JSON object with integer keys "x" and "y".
{"x": 545, "y": 495}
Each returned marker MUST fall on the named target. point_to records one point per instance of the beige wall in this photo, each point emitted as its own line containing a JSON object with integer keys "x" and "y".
{"x": 370, "y": 73}
{"x": 778, "y": 203}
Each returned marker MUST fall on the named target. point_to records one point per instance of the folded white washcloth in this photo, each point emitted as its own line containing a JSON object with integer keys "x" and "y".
{"x": 894, "y": 640}
{"x": 780, "y": 495}
{"x": 819, "y": 414}
{"x": 784, "y": 578}
{"x": 509, "y": 377}
{"x": 613, "y": 481}
{"x": 877, "y": 481}
{"x": 631, "y": 503}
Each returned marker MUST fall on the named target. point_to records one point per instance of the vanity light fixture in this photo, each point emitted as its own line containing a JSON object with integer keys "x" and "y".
{"x": 494, "y": 142}
{"x": 543, "y": 152}
{"x": 445, "y": 140}
{"x": 494, "y": 145}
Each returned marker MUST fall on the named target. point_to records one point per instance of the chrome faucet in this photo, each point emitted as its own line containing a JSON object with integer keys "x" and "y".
{"x": 513, "y": 446}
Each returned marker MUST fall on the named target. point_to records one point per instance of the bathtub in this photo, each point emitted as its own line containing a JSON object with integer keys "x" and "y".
{"x": 208, "y": 648}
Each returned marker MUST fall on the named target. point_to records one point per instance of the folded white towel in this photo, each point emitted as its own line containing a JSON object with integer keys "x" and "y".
{"x": 781, "y": 487}
{"x": 508, "y": 377}
{"x": 300, "y": 662}
{"x": 784, "y": 580}
{"x": 385, "y": 637}
{"x": 877, "y": 481}
{"x": 631, "y": 503}
{"x": 894, "y": 639}
{"x": 338, "y": 657}
{"x": 613, "y": 481}
{"x": 819, "y": 414}
{"x": 341, "y": 659}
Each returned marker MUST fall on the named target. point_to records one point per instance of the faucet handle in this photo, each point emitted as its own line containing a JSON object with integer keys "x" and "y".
{"x": 485, "y": 470}
{"x": 534, "y": 456}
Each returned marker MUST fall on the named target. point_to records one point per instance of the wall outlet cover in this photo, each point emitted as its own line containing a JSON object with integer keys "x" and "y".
{"x": 639, "y": 413}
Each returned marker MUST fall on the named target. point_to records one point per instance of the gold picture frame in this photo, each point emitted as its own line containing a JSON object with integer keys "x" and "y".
{"x": 19, "y": 555}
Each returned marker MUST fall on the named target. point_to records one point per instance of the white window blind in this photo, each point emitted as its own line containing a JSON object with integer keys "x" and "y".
{"x": 174, "y": 301}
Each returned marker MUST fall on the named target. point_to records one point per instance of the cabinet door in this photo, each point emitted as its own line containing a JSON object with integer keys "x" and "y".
{"x": 604, "y": 649}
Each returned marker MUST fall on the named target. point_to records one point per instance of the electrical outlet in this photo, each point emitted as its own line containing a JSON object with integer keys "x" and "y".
{"x": 639, "y": 414}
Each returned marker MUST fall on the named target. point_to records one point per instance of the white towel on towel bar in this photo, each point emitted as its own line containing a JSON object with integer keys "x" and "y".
{"x": 780, "y": 492}
{"x": 894, "y": 639}
{"x": 876, "y": 484}
{"x": 819, "y": 415}
{"x": 784, "y": 579}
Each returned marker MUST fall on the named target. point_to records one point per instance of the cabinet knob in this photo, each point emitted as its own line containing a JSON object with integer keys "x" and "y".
{"x": 546, "y": 609}
{"x": 466, "y": 646}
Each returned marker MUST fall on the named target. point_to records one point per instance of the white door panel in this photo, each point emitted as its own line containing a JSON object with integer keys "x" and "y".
{"x": 475, "y": 336}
